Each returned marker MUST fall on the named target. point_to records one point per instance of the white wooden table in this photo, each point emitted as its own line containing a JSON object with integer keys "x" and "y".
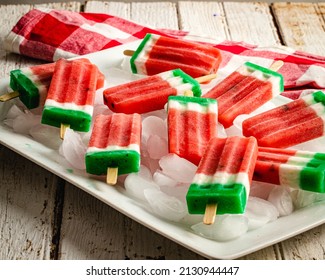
{"x": 44, "y": 217}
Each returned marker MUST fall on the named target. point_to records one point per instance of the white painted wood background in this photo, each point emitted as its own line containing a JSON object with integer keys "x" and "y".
{"x": 44, "y": 217}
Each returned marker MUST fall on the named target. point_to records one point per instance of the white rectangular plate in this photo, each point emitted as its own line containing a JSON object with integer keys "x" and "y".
{"x": 281, "y": 229}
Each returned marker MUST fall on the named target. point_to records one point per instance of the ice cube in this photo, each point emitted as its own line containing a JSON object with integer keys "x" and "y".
{"x": 101, "y": 110}
{"x": 280, "y": 197}
{"x": 135, "y": 184}
{"x": 158, "y": 113}
{"x": 85, "y": 137}
{"x": 303, "y": 198}
{"x": 5, "y": 108}
{"x": 14, "y": 112}
{"x": 320, "y": 196}
{"x": 2, "y": 53}
{"x": 9, "y": 122}
{"x": 178, "y": 168}
{"x": 261, "y": 189}
{"x": 73, "y": 149}
{"x": 179, "y": 191}
{"x": 152, "y": 164}
{"x": 165, "y": 206}
{"x": 23, "y": 123}
{"x": 157, "y": 147}
{"x": 163, "y": 180}
{"x": 47, "y": 135}
{"x": 190, "y": 220}
{"x": 145, "y": 172}
{"x": 226, "y": 227}
{"x": 153, "y": 125}
{"x": 259, "y": 212}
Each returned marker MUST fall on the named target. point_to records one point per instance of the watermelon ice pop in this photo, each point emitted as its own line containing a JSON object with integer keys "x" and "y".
{"x": 149, "y": 93}
{"x": 31, "y": 84}
{"x": 223, "y": 177}
{"x": 296, "y": 122}
{"x": 115, "y": 145}
{"x": 245, "y": 90}
{"x": 192, "y": 122}
{"x": 291, "y": 168}
{"x": 158, "y": 54}
{"x": 71, "y": 95}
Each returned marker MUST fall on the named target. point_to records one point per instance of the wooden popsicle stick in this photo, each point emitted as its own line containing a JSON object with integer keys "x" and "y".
{"x": 210, "y": 213}
{"x": 63, "y": 128}
{"x": 8, "y": 96}
{"x": 111, "y": 177}
{"x": 188, "y": 93}
{"x": 276, "y": 65}
{"x": 206, "y": 78}
{"x": 128, "y": 52}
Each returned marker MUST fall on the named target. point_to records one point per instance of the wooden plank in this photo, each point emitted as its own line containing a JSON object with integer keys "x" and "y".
{"x": 120, "y": 9}
{"x": 268, "y": 253}
{"x": 142, "y": 243}
{"x": 248, "y": 22}
{"x": 90, "y": 229}
{"x": 321, "y": 7}
{"x": 302, "y": 25}
{"x": 251, "y": 23}
{"x": 306, "y": 246}
{"x": 26, "y": 205}
{"x": 135, "y": 11}
{"x": 28, "y": 192}
{"x": 203, "y": 18}
{"x": 155, "y": 14}
{"x": 70, "y": 6}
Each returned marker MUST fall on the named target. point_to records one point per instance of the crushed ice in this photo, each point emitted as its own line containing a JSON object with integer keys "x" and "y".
{"x": 47, "y": 135}
{"x": 177, "y": 168}
{"x": 73, "y": 149}
{"x": 165, "y": 206}
{"x": 260, "y": 212}
{"x": 225, "y": 228}
{"x": 280, "y": 197}
{"x": 136, "y": 183}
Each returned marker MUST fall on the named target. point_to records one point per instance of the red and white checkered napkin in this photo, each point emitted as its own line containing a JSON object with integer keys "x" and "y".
{"x": 51, "y": 34}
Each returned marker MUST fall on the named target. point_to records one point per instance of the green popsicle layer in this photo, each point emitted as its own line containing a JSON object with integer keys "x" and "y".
{"x": 77, "y": 120}
{"x": 137, "y": 52}
{"x": 230, "y": 199}
{"x": 126, "y": 161}
{"x": 267, "y": 72}
{"x": 28, "y": 91}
